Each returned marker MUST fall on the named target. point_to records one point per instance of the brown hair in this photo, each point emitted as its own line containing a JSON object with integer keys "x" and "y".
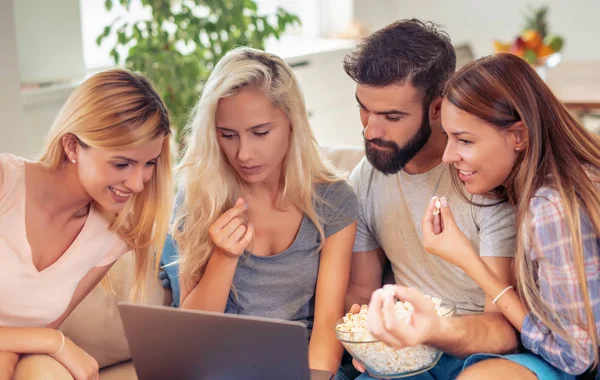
{"x": 406, "y": 51}
{"x": 503, "y": 90}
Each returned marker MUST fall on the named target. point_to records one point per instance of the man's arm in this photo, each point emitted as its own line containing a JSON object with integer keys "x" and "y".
{"x": 470, "y": 334}
{"x": 365, "y": 276}
{"x": 459, "y": 336}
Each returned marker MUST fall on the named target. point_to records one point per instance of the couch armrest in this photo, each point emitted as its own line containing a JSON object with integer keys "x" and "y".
{"x": 95, "y": 324}
{"x": 344, "y": 158}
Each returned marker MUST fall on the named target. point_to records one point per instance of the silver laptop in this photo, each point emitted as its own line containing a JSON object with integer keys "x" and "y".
{"x": 168, "y": 343}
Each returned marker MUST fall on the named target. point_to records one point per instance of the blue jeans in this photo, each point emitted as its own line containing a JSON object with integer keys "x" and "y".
{"x": 447, "y": 368}
{"x": 340, "y": 375}
{"x": 534, "y": 363}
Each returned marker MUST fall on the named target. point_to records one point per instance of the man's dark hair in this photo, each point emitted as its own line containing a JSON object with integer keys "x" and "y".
{"x": 410, "y": 50}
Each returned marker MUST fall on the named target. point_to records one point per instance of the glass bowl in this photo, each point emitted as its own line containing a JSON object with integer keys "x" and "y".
{"x": 543, "y": 64}
{"x": 384, "y": 362}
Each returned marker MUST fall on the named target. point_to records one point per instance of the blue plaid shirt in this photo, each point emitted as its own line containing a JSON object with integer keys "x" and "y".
{"x": 559, "y": 285}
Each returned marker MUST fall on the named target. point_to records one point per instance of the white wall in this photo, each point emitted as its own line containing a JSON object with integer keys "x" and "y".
{"x": 49, "y": 40}
{"x": 10, "y": 100}
{"x": 374, "y": 14}
{"x": 474, "y": 21}
{"x": 480, "y": 22}
{"x": 39, "y": 41}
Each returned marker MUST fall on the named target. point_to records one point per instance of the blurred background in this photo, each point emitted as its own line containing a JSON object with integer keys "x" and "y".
{"x": 48, "y": 47}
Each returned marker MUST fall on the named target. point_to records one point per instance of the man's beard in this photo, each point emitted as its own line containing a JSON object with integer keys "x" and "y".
{"x": 393, "y": 158}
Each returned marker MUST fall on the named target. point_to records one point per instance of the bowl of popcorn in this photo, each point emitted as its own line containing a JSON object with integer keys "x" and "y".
{"x": 379, "y": 359}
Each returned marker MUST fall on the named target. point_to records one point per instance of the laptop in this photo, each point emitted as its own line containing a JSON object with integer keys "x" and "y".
{"x": 174, "y": 344}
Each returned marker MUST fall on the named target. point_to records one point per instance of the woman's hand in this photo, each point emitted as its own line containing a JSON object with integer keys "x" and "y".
{"x": 228, "y": 232}
{"x": 81, "y": 364}
{"x": 443, "y": 238}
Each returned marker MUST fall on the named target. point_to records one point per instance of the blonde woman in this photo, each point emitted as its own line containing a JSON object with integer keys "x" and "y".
{"x": 102, "y": 187}
{"x": 265, "y": 227}
{"x": 510, "y": 138}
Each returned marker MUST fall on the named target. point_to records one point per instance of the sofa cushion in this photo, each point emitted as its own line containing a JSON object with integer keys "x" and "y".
{"x": 344, "y": 158}
{"x": 121, "y": 371}
{"x": 95, "y": 324}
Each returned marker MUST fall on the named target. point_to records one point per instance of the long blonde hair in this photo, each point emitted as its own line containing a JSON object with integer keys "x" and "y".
{"x": 560, "y": 153}
{"x": 206, "y": 177}
{"x": 118, "y": 109}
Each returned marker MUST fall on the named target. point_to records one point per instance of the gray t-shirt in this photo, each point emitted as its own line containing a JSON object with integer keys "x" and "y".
{"x": 391, "y": 209}
{"x": 283, "y": 286}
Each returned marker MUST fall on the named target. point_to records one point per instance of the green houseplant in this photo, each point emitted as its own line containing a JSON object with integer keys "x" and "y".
{"x": 181, "y": 42}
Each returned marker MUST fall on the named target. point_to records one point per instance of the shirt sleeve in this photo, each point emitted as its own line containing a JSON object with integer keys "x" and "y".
{"x": 340, "y": 208}
{"x": 359, "y": 180}
{"x": 560, "y": 289}
{"x": 496, "y": 224}
{"x": 114, "y": 254}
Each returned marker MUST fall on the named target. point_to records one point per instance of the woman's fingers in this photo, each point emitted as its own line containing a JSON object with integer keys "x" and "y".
{"x": 245, "y": 241}
{"x": 240, "y": 207}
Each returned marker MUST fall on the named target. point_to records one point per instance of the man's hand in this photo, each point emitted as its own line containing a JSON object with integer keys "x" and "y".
{"x": 383, "y": 323}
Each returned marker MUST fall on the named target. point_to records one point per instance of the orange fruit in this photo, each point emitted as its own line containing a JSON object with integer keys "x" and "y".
{"x": 544, "y": 50}
{"x": 501, "y": 47}
{"x": 532, "y": 38}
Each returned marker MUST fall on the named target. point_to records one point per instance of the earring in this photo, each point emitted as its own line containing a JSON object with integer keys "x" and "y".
{"x": 517, "y": 150}
{"x": 74, "y": 161}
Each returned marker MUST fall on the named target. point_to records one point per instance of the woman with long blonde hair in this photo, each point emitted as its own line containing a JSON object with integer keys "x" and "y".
{"x": 102, "y": 187}
{"x": 263, "y": 226}
{"x": 510, "y": 138}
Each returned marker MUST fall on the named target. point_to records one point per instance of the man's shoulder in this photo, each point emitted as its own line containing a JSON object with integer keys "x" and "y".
{"x": 361, "y": 171}
{"x": 491, "y": 213}
{"x": 361, "y": 176}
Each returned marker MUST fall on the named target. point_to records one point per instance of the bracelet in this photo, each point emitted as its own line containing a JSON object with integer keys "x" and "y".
{"x": 62, "y": 344}
{"x": 501, "y": 294}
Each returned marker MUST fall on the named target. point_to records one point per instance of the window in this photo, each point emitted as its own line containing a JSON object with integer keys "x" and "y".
{"x": 309, "y": 11}
{"x": 94, "y": 18}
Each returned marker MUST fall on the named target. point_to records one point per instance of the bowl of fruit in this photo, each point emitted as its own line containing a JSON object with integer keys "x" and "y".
{"x": 535, "y": 44}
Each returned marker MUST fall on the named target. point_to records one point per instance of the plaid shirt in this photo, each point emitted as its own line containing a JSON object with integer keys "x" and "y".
{"x": 559, "y": 286}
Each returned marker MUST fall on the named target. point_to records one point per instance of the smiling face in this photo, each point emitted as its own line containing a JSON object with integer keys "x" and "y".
{"x": 253, "y": 134}
{"x": 112, "y": 177}
{"x": 483, "y": 155}
{"x": 396, "y": 128}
